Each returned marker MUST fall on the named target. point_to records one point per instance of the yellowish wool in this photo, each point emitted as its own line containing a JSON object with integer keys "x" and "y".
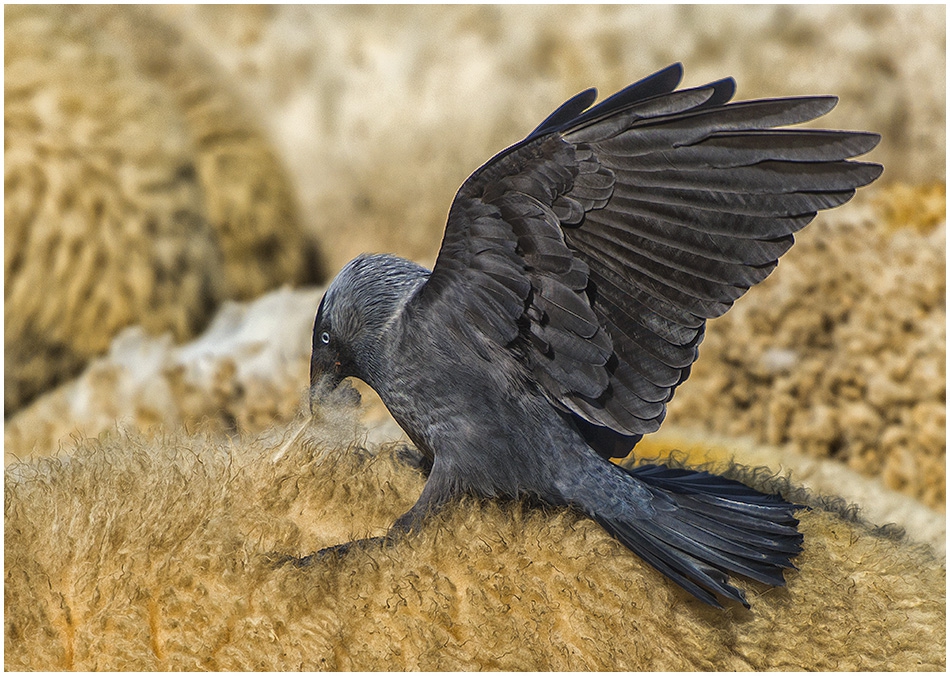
{"x": 156, "y": 554}
{"x": 137, "y": 190}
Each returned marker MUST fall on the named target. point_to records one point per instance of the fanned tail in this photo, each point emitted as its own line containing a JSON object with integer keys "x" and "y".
{"x": 698, "y": 528}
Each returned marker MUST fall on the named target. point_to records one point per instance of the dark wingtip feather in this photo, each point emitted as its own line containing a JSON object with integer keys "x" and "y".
{"x": 566, "y": 112}
{"x": 661, "y": 82}
{"x": 864, "y": 142}
{"x": 870, "y": 173}
{"x": 572, "y": 111}
{"x": 723, "y": 91}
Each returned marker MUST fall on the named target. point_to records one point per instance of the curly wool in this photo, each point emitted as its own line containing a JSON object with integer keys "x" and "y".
{"x": 156, "y": 554}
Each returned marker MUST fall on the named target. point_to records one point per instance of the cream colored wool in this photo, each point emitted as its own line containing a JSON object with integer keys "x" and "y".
{"x": 244, "y": 374}
{"x": 247, "y": 371}
{"x": 248, "y": 197}
{"x": 382, "y": 111}
{"x": 100, "y": 191}
{"x": 840, "y": 353}
{"x": 153, "y": 554}
{"x": 136, "y": 190}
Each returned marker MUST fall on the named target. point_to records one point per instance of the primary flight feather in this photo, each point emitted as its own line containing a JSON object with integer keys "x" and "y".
{"x": 568, "y": 301}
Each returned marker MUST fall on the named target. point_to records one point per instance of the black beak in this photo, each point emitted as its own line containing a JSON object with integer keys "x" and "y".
{"x": 325, "y": 390}
{"x": 322, "y": 387}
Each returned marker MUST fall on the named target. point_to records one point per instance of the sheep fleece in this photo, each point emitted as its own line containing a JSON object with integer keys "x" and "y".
{"x": 153, "y": 554}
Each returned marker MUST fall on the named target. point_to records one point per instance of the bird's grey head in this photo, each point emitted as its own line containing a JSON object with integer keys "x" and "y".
{"x": 360, "y": 305}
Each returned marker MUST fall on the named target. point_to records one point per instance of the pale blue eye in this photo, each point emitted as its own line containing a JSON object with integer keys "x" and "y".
{"x": 325, "y": 337}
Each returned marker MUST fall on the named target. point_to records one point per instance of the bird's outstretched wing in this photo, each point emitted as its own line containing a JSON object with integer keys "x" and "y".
{"x": 597, "y": 248}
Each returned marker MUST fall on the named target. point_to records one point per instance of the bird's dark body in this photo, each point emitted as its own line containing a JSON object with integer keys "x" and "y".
{"x": 486, "y": 426}
{"x": 568, "y": 301}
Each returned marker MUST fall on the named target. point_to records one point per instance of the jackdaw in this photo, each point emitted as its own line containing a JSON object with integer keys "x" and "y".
{"x": 569, "y": 297}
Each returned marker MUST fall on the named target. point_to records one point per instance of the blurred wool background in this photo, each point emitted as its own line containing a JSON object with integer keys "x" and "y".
{"x": 180, "y": 181}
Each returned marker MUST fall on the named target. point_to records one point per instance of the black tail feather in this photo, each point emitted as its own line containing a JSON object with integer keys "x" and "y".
{"x": 788, "y": 542}
{"x": 775, "y": 521}
{"x": 702, "y": 527}
{"x": 688, "y": 572}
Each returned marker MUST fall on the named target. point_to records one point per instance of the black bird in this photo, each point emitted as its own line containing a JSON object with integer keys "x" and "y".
{"x": 568, "y": 300}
